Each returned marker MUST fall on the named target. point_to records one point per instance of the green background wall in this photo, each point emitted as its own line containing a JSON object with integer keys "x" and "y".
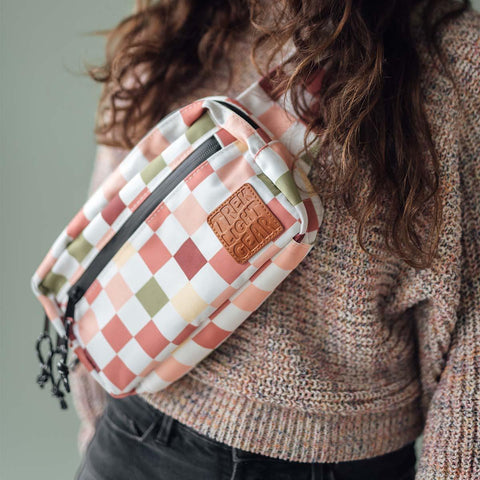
{"x": 47, "y": 150}
{"x": 46, "y": 158}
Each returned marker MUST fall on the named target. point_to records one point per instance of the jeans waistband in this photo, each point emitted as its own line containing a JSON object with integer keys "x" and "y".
{"x": 146, "y": 415}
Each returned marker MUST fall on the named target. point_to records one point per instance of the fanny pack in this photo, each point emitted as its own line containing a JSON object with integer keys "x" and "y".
{"x": 189, "y": 235}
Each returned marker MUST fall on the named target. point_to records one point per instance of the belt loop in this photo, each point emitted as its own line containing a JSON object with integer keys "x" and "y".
{"x": 235, "y": 457}
{"x": 165, "y": 424}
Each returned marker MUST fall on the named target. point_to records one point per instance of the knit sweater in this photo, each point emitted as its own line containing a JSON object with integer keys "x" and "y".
{"x": 354, "y": 356}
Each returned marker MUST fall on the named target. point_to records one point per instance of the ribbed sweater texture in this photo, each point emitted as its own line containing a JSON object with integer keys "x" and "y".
{"x": 354, "y": 356}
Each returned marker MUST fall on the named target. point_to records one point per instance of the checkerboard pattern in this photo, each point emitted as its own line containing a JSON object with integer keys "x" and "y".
{"x": 172, "y": 293}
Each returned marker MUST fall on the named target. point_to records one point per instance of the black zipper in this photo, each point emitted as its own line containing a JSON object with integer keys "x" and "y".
{"x": 239, "y": 112}
{"x": 199, "y": 155}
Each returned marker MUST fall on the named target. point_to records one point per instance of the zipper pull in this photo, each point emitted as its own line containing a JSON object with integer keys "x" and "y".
{"x": 44, "y": 358}
{"x": 62, "y": 348}
{"x": 74, "y": 295}
{"x": 62, "y": 365}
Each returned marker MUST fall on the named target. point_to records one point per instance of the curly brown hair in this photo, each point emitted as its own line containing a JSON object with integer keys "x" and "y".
{"x": 370, "y": 114}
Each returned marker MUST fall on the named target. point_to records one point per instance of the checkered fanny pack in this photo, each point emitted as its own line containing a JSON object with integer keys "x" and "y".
{"x": 188, "y": 236}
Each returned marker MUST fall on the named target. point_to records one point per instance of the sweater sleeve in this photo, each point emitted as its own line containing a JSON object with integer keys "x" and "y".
{"x": 89, "y": 398}
{"x": 451, "y": 439}
{"x": 451, "y": 443}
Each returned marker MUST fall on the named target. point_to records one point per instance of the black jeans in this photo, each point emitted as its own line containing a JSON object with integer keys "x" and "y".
{"x": 135, "y": 441}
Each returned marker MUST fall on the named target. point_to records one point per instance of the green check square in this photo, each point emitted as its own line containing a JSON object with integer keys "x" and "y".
{"x": 152, "y": 297}
{"x": 153, "y": 169}
{"x": 271, "y": 186}
{"x": 199, "y": 128}
{"x": 79, "y": 248}
{"x": 52, "y": 283}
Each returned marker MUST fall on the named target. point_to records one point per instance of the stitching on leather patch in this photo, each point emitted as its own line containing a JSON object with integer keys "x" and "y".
{"x": 244, "y": 224}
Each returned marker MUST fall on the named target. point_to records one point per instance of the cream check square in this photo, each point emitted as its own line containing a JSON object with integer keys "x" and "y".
{"x": 188, "y": 303}
{"x": 58, "y": 247}
{"x": 272, "y": 170}
{"x": 229, "y": 153}
{"x": 124, "y": 254}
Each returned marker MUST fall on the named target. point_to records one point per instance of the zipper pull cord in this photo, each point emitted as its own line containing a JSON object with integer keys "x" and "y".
{"x": 62, "y": 366}
{"x": 62, "y": 350}
{"x": 45, "y": 363}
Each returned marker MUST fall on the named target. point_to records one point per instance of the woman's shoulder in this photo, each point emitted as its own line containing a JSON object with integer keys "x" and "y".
{"x": 459, "y": 43}
{"x": 451, "y": 91}
{"x": 463, "y": 30}
{"x": 460, "y": 40}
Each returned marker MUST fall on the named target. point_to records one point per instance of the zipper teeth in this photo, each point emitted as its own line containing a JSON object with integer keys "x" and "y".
{"x": 204, "y": 151}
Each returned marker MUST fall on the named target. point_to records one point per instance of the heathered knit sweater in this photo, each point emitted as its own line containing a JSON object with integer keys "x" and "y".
{"x": 352, "y": 356}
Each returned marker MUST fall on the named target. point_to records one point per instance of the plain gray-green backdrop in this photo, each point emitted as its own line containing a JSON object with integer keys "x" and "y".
{"x": 47, "y": 148}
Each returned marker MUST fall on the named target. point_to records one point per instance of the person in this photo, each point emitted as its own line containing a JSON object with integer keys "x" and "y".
{"x": 375, "y": 338}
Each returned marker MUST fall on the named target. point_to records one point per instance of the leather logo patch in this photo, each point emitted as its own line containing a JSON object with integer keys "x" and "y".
{"x": 244, "y": 224}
